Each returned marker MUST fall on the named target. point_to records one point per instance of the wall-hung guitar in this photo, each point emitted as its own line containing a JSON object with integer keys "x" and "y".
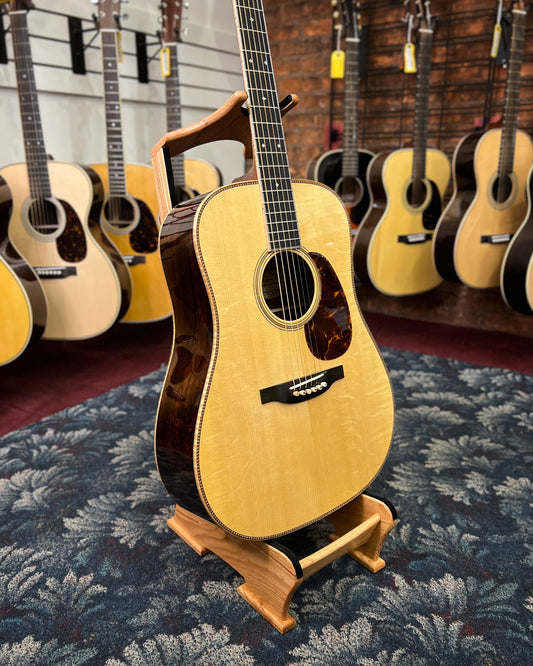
{"x": 516, "y": 277}
{"x": 129, "y": 213}
{"x": 191, "y": 175}
{"x": 392, "y": 249}
{"x": 502, "y": 160}
{"x": 345, "y": 170}
{"x": 276, "y": 408}
{"x": 55, "y": 206}
{"x": 22, "y": 299}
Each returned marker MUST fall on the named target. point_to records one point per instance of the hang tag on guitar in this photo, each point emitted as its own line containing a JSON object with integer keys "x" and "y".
{"x": 496, "y": 37}
{"x": 164, "y": 59}
{"x": 120, "y": 52}
{"x": 337, "y": 64}
{"x": 409, "y": 60}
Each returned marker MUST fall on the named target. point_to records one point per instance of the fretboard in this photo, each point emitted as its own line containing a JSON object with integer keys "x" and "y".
{"x": 34, "y": 147}
{"x": 115, "y": 149}
{"x": 420, "y": 129}
{"x": 512, "y": 96}
{"x": 172, "y": 89}
{"x": 350, "y": 154}
{"x": 270, "y": 151}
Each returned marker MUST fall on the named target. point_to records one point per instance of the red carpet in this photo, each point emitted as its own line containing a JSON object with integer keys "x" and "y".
{"x": 54, "y": 375}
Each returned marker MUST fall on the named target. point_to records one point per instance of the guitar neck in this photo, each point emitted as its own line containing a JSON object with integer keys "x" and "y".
{"x": 350, "y": 154}
{"x": 173, "y": 106}
{"x": 420, "y": 130}
{"x": 269, "y": 146}
{"x": 35, "y": 151}
{"x": 115, "y": 149}
{"x": 512, "y": 94}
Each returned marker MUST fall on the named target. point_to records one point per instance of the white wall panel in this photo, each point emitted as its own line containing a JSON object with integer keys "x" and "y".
{"x": 71, "y": 104}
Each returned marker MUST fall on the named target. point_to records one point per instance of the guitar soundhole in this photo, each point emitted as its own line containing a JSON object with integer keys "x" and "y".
{"x": 502, "y": 188}
{"x": 288, "y": 286}
{"x": 44, "y": 216}
{"x": 119, "y": 212}
{"x": 416, "y": 193}
{"x": 350, "y": 190}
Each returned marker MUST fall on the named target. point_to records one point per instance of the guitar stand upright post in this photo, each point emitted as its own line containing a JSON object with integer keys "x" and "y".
{"x": 272, "y": 573}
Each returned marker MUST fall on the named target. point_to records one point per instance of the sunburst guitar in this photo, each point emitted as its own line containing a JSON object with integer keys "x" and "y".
{"x": 22, "y": 299}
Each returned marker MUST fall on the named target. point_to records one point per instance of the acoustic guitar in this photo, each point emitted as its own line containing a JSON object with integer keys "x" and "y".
{"x": 345, "y": 170}
{"x": 22, "y": 300}
{"x": 502, "y": 160}
{"x": 516, "y": 277}
{"x": 191, "y": 175}
{"x": 276, "y": 408}
{"x": 129, "y": 215}
{"x": 392, "y": 249}
{"x": 55, "y": 210}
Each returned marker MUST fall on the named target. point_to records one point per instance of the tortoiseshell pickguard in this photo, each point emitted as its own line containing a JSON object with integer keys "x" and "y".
{"x": 144, "y": 238}
{"x": 329, "y": 333}
{"x": 72, "y": 244}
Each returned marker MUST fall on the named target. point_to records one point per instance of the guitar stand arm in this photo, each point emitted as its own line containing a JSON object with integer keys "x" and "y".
{"x": 272, "y": 573}
{"x": 230, "y": 122}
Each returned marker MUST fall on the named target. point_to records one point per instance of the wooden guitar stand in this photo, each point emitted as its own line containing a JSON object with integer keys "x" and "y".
{"x": 272, "y": 573}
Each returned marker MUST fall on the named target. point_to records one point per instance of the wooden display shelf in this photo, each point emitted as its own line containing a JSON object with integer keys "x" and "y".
{"x": 453, "y": 304}
{"x": 272, "y": 571}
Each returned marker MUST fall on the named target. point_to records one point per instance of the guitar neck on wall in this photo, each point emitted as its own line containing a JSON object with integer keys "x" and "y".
{"x": 259, "y": 364}
{"x": 191, "y": 175}
{"x": 129, "y": 213}
{"x": 55, "y": 207}
{"x": 346, "y": 170}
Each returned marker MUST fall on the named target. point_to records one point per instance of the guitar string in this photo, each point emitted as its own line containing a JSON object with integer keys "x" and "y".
{"x": 279, "y": 174}
{"x": 281, "y": 163}
{"x": 256, "y": 80}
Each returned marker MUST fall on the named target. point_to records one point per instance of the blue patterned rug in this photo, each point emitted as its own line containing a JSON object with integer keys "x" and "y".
{"x": 91, "y": 574}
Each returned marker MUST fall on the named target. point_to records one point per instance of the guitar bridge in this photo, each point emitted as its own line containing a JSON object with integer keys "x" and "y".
{"x": 496, "y": 239}
{"x": 304, "y": 388}
{"x": 54, "y": 272}
{"x": 414, "y": 239}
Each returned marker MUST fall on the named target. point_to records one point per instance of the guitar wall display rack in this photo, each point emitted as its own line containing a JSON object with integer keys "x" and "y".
{"x": 237, "y": 520}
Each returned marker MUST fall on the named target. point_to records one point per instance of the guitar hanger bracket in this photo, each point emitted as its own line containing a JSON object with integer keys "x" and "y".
{"x": 3, "y": 50}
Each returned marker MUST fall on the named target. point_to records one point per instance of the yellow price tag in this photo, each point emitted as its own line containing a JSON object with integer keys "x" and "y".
{"x": 120, "y": 52}
{"x": 164, "y": 59}
{"x": 496, "y": 36}
{"x": 337, "y": 64}
{"x": 409, "y": 60}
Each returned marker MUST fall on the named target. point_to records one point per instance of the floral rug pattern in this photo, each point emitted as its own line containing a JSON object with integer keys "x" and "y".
{"x": 91, "y": 574}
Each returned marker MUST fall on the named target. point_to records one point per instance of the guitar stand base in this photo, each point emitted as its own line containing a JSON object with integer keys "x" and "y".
{"x": 272, "y": 573}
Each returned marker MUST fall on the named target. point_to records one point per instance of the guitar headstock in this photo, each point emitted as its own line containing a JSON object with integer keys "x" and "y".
{"x": 171, "y": 20}
{"x": 351, "y": 17}
{"x": 108, "y": 14}
{"x": 20, "y": 5}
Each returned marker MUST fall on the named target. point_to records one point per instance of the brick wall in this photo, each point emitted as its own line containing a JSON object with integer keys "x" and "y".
{"x": 300, "y": 35}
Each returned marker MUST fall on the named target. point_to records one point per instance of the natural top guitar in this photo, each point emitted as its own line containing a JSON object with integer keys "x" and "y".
{"x": 276, "y": 408}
